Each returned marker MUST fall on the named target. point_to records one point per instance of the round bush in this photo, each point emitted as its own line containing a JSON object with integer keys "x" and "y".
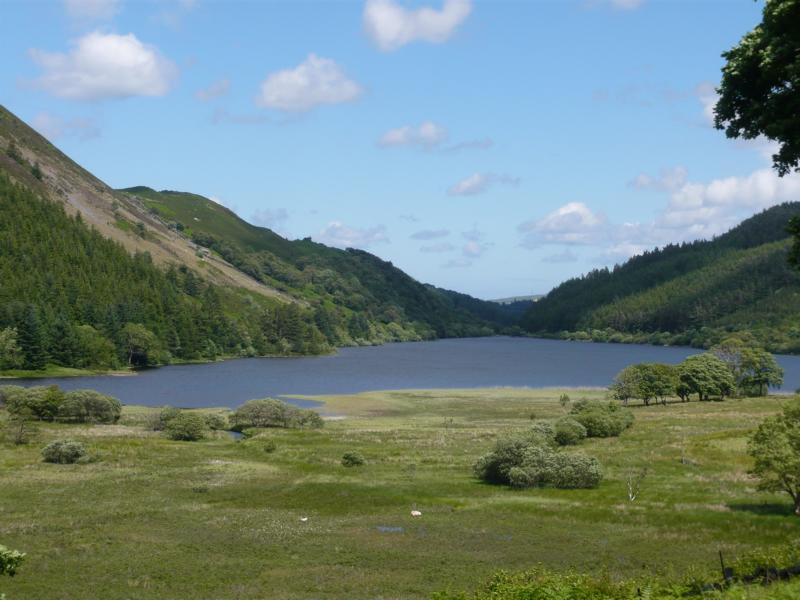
{"x": 494, "y": 467}
{"x": 39, "y": 402}
{"x": 524, "y": 462}
{"x": 186, "y": 427}
{"x": 63, "y": 452}
{"x": 216, "y": 421}
{"x": 164, "y": 416}
{"x": 572, "y": 471}
{"x": 269, "y": 412}
{"x": 569, "y": 432}
{"x": 602, "y": 420}
{"x": 600, "y": 424}
{"x": 352, "y": 459}
{"x": 519, "y": 478}
{"x": 89, "y": 406}
{"x": 541, "y": 431}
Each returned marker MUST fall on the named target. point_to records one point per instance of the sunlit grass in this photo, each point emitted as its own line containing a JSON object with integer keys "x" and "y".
{"x": 152, "y": 518}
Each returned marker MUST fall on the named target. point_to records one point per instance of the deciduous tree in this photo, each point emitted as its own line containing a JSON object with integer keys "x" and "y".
{"x": 775, "y": 447}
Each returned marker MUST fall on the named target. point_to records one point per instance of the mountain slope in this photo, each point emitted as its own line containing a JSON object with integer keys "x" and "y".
{"x": 185, "y": 275}
{"x": 347, "y": 282}
{"x": 112, "y": 214}
{"x": 689, "y": 293}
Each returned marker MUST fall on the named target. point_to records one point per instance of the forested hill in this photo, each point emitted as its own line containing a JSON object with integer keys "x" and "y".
{"x": 687, "y": 294}
{"x": 353, "y": 288}
{"x": 97, "y": 278}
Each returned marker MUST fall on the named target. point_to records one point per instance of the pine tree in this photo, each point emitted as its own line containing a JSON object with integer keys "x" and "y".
{"x": 31, "y": 340}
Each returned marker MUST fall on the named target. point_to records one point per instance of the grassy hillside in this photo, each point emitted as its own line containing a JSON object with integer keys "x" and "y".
{"x": 687, "y": 294}
{"x": 364, "y": 297}
{"x": 153, "y": 518}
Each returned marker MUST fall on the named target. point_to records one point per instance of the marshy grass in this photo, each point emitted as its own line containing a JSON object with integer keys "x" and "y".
{"x": 154, "y": 518}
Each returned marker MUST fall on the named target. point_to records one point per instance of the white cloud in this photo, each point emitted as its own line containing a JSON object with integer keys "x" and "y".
{"x": 314, "y": 82}
{"x": 573, "y": 223}
{"x": 427, "y": 134}
{"x": 708, "y": 97}
{"x": 615, "y": 4}
{"x": 99, "y": 10}
{"x": 391, "y": 26}
{"x": 429, "y": 234}
{"x": 225, "y": 203}
{"x": 567, "y": 256}
{"x": 473, "y": 249}
{"x": 103, "y": 66}
{"x": 620, "y": 252}
{"x": 479, "y": 144}
{"x": 438, "y": 248}
{"x": 54, "y": 127}
{"x": 215, "y": 90}
{"x": 667, "y": 180}
{"x": 695, "y": 210}
{"x": 478, "y": 183}
{"x": 273, "y": 218}
{"x": 706, "y": 209}
{"x": 457, "y": 263}
{"x": 340, "y": 235}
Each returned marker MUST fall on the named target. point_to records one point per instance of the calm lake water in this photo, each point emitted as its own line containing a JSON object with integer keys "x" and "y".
{"x": 457, "y": 363}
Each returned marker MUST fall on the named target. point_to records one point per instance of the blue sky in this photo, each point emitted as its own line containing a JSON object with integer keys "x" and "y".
{"x": 495, "y": 148}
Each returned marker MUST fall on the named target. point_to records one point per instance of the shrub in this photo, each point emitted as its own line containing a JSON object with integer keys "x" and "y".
{"x": 89, "y": 406}
{"x": 542, "y": 431}
{"x": 540, "y": 584}
{"x": 309, "y": 419}
{"x": 216, "y": 421}
{"x": 569, "y": 432}
{"x": 602, "y": 420}
{"x": 42, "y": 402}
{"x": 353, "y": 459}
{"x": 259, "y": 438}
{"x": 10, "y": 560}
{"x": 572, "y": 471}
{"x": 63, "y": 452}
{"x": 508, "y": 453}
{"x": 186, "y": 427}
{"x": 269, "y": 412}
{"x": 269, "y": 446}
{"x": 524, "y": 462}
{"x": 9, "y": 392}
{"x": 164, "y": 416}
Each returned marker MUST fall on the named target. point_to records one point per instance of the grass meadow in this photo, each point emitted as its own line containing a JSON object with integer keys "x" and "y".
{"x": 221, "y": 518}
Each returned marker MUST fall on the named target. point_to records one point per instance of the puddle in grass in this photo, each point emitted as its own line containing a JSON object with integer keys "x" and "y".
{"x": 387, "y": 529}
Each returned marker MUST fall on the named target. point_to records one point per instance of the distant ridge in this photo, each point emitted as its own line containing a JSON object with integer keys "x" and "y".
{"x": 690, "y": 294}
{"x": 513, "y": 299}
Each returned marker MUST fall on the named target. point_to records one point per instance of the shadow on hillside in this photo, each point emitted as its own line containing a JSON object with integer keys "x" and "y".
{"x": 764, "y": 508}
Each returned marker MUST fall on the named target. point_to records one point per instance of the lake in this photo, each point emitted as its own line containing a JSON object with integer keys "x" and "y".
{"x": 452, "y": 363}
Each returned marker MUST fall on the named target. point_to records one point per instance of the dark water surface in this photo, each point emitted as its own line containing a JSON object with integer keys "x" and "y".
{"x": 457, "y": 363}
